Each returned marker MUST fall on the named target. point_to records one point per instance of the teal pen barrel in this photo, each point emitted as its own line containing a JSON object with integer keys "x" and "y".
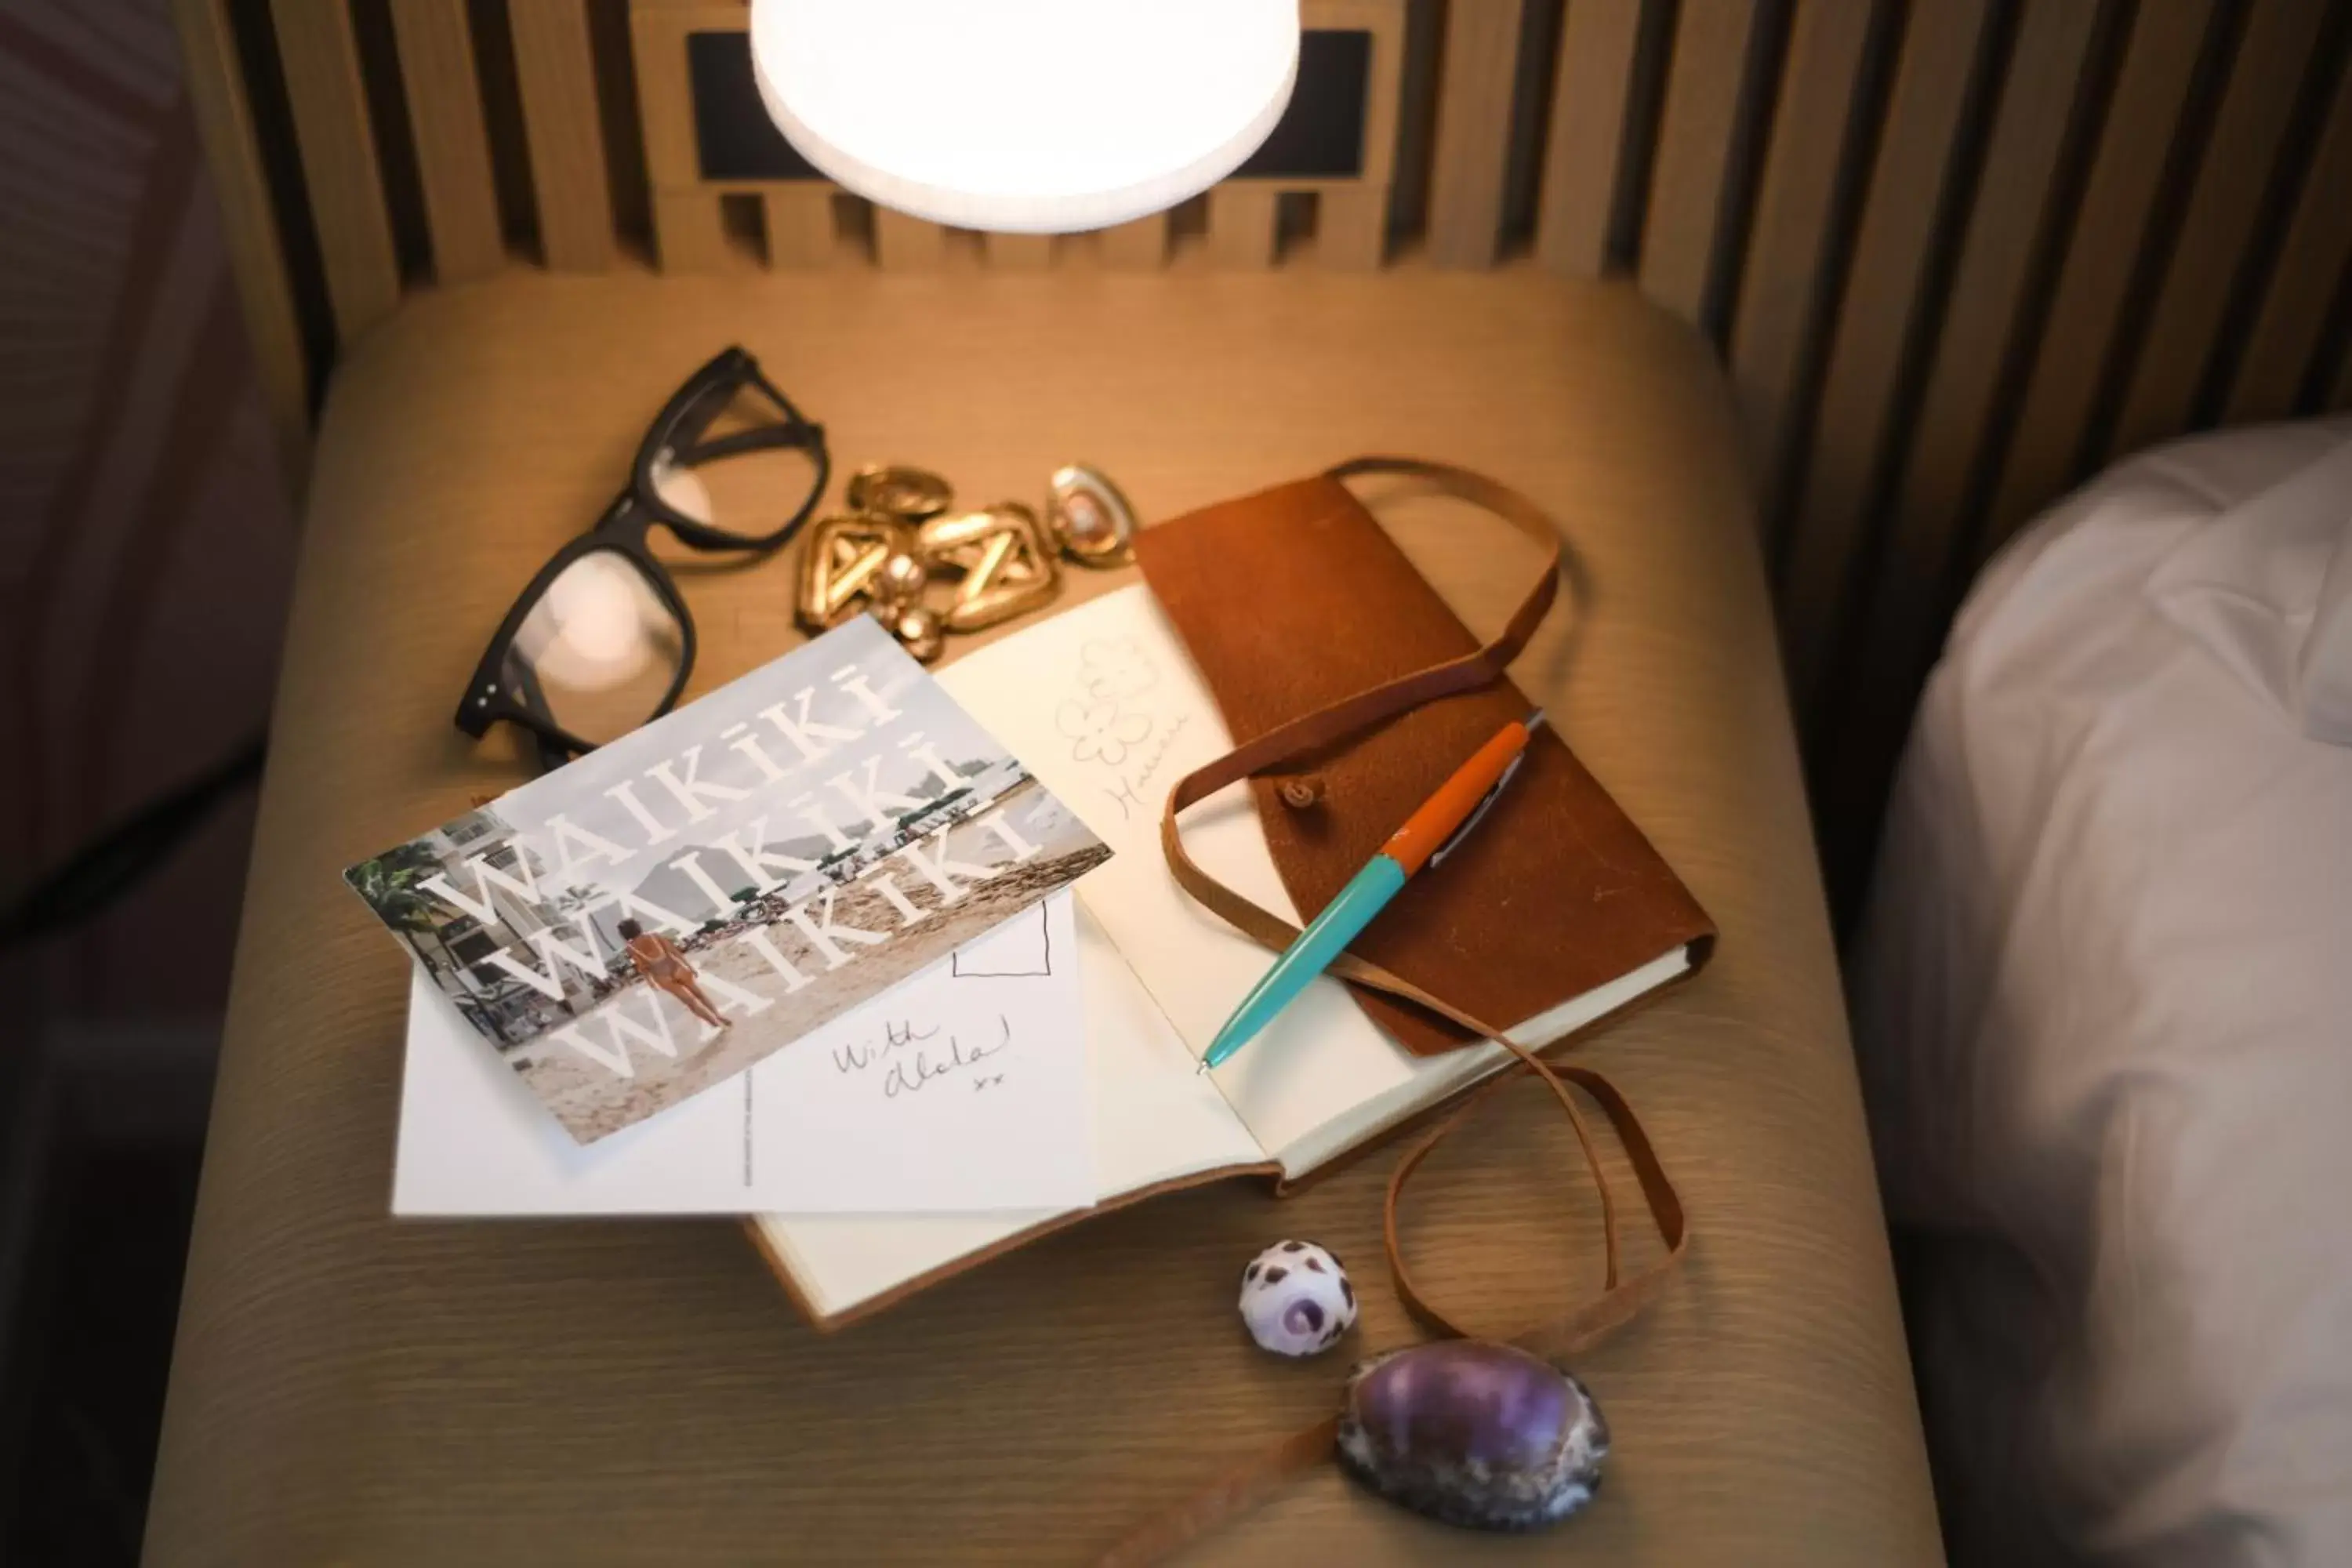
{"x": 1325, "y": 938}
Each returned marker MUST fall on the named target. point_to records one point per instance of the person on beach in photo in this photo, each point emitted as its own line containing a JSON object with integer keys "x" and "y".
{"x": 663, "y": 962}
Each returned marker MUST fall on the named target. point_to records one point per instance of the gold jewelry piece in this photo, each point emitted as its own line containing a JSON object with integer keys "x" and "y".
{"x": 1089, "y": 518}
{"x": 954, "y": 545}
{"x": 896, "y": 491}
{"x": 902, "y": 536}
{"x": 842, "y": 564}
{"x": 1011, "y": 568}
{"x": 919, "y": 629}
{"x": 902, "y": 580}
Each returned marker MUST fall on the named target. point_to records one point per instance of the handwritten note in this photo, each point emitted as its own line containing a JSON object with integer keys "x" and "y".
{"x": 1122, "y": 718}
{"x": 962, "y": 1090}
{"x": 912, "y": 1058}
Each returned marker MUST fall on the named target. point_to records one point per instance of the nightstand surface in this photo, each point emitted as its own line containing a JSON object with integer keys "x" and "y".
{"x": 349, "y": 1389}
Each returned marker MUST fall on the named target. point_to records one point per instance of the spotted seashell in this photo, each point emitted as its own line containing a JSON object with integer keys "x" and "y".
{"x": 1297, "y": 1299}
{"x": 1474, "y": 1434}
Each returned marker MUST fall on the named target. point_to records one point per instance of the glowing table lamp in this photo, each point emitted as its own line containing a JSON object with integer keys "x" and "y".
{"x": 1025, "y": 116}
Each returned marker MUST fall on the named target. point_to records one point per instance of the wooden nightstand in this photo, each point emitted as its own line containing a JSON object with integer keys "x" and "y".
{"x": 354, "y": 1390}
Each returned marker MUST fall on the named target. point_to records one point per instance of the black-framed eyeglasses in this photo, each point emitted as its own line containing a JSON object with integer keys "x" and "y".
{"x": 601, "y": 641}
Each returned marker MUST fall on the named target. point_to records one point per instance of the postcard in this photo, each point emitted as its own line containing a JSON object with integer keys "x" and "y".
{"x": 964, "y": 1089}
{"x": 659, "y": 915}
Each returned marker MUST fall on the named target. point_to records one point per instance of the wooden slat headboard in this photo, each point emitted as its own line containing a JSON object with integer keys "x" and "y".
{"x": 800, "y": 224}
{"x": 453, "y": 139}
{"x": 1955, "y": 253}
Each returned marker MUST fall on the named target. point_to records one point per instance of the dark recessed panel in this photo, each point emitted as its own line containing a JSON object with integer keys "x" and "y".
{"x": 733, "y": 135}
{"x": 1321, "y": 135}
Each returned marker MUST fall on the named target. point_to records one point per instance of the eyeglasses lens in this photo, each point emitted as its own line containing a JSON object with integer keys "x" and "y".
{"x": 598, "y": 650}
{"x": 724, "y": 476}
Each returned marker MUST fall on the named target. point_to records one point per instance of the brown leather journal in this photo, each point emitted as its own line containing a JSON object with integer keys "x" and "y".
{"x": 1293, "y": 598}
{"x": 1351, "y": 691}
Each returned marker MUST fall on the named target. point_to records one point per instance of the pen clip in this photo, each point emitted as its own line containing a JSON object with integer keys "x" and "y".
{"x": 1532, "y": 722}
{"x": 1486, "y": 804}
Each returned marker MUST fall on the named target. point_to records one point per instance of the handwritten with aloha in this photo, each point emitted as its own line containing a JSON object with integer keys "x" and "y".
{"x": 909, "y": 1063}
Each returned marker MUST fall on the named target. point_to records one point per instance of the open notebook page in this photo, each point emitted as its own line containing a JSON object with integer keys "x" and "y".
{"x": 1156, "y": 1120}
{"x": 1104, "y": 705}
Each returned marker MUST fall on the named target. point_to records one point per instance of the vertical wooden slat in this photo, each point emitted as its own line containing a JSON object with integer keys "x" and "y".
{"x": 453, "y": 146}
{"x": 1352, "y": 228}
{"x": 689, "y": 235}
{"x": 1902, "y": 615}
{"x": 556, "y": 69}
{"x": 224, "y": 116}
{"x": 1585, "y": 145}
{"x": 1682, "y": 235}
{"x": 658, "y": 56}
{"x": 1352, "y": 223}
{"x": 2126, "y": 177}
{"x": 1855, "y": 418}
{"x": 2223, "y": 207}
{"x": 903, "y": 244}
{"x": 1988, "y": 297}
{"x": 799, "y": 220}
{"x": 340, "y": 173}
{"x": 2312, "y": 263}
{"x": 1241, "y": 224}
{"x": 1789, "y": 249}
{"x": 1139, "y": 246}
{"x": 1474, "y": 130}
{"x": 1021, "y": 252}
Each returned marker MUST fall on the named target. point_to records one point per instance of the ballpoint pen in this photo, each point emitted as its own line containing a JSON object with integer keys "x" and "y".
{"x": 1427, "y": 836}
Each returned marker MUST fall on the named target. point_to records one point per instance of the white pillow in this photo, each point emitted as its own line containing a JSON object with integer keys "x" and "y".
{"x": 2102, "y": 1003}
{"x": 2324, "y": 676}
{"x": 2266, "y": 585}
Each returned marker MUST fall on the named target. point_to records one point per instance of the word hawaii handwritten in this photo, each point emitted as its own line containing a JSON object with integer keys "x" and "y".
{"x": 1110, "y": 725}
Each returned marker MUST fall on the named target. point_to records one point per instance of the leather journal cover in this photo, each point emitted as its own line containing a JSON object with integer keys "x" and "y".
{"x": 1287, "y": 602}
{"x": 1293, "y": 598}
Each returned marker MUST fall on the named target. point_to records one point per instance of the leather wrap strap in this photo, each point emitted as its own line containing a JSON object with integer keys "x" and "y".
{"x": 1310, "y": 731}
{"x": 1622, "y": 1296}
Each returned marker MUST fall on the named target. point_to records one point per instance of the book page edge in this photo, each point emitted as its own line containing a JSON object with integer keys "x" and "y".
{"x": 770, "y": 1237}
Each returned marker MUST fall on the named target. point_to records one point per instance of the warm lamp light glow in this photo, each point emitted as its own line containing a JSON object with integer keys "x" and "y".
{"x": 1030, "y": 116}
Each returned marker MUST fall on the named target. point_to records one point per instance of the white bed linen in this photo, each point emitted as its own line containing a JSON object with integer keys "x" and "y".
{"x": 2103, "y": 995}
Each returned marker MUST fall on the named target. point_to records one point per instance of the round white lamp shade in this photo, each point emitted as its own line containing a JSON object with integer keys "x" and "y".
{"x": 1025, "y": 116}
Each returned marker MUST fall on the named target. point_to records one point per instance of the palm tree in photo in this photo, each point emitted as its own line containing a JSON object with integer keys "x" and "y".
{"x": 389, "y": 885}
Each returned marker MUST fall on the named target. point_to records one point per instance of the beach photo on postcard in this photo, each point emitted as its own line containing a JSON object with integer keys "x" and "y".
{"x": 660, "y": 914}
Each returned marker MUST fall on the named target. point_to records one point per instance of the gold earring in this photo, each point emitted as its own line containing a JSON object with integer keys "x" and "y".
{"x": 842, "y": 564}
{"x": 1089, "y": 518}
{"x": 899, "y": 491}
{"x": 1006, "y": 560}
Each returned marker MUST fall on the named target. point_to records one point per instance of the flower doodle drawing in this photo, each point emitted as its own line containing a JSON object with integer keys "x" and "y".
{"x": 1099, "y": 718}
